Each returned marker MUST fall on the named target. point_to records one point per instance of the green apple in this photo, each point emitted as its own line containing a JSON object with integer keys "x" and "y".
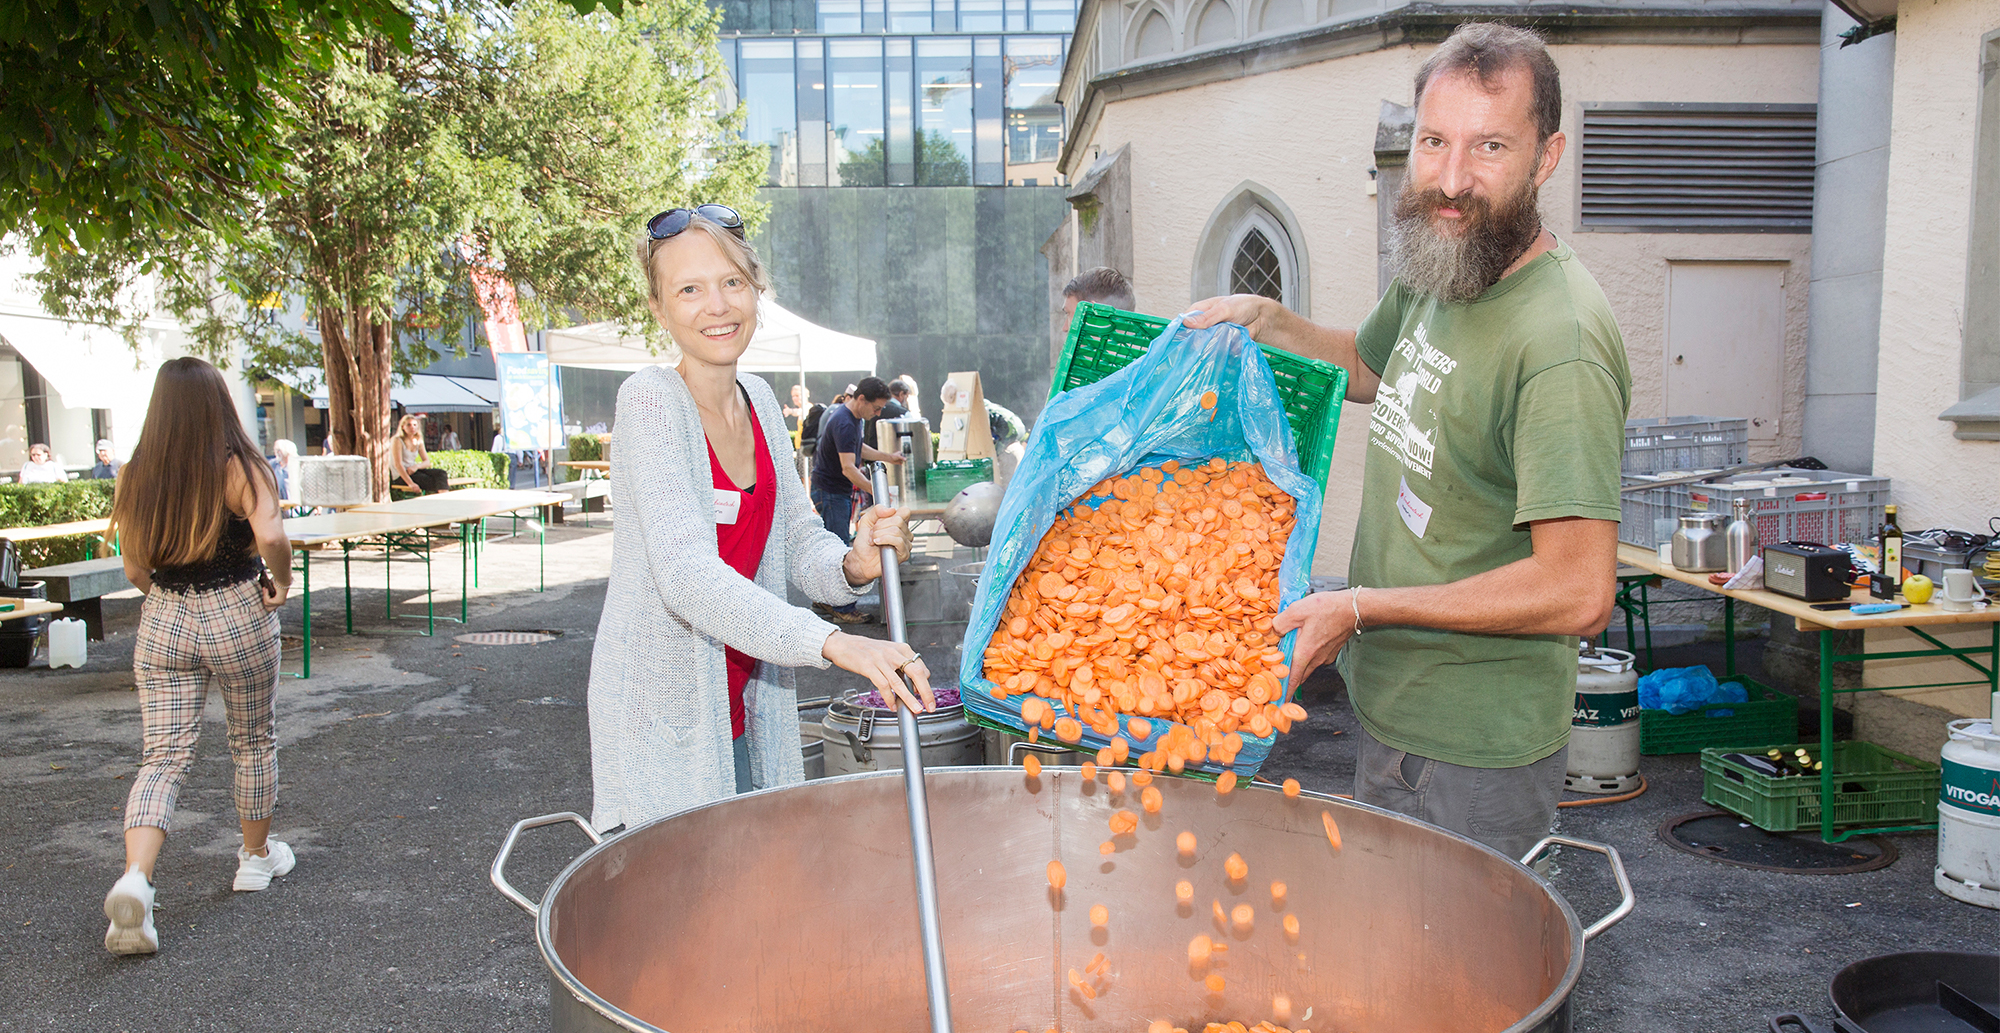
{"x": 1917, "y": 588}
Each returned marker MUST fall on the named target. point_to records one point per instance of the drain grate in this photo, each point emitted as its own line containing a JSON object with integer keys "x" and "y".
{"x": 506, "y": 638}
{"x": 1724, "y": 837}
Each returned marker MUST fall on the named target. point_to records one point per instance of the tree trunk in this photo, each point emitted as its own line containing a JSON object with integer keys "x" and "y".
{"x": 355, "y": 349}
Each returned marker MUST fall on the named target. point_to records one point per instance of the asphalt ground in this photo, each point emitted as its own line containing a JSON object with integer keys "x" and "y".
{"x": 405, "y": 759}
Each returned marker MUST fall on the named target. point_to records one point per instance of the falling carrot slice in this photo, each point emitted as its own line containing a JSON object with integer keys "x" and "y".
{"x": 1097, "y": 963}
{"x": 1278, "y": 893}
{"x": 1199, "y": 949}
{"x": 1186, "y": 842}
{"x": 1332, "y": 830}
{"x": 1150, "y": 799}
{"x": 1292, "y": 926}
{"x": 1291, "y": 787}
{"x": 1235, "y": 867}
{"x": 1089, "y": 771}
{"x": 1224, "y": 784}
{"x": 1213, "y": 982}
{"x": 1242, "y": 916}
{"x": 1099, "y": 914}
{"x": 1116, "y": 781}
{"x": 1220, "y": 918}
{"x": 1032, "y": 765}
{"x": 1057, "y": 877}
{"x": 1068, "y": 729}
{"x": 1184, "y": 891}
{"x": 1123, "y": 822}
{"x": 1107, "y": 848}
{"x": 1142, "y": 777}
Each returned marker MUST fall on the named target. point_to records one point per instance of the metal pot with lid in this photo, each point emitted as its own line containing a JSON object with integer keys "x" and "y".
{"x": 1699, "y": 545}
{"x": 859, "y": 737}
{"x": 724, "y": 916}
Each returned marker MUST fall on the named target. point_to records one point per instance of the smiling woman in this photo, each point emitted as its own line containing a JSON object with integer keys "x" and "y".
{"x": 690, "y": 693}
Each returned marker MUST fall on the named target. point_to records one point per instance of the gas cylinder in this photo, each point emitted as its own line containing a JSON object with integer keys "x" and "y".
{"x": 1604, "y": 734}
{"x": 1968, "y": 865}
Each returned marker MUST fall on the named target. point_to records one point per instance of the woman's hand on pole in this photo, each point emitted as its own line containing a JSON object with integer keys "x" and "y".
{"x": 879, "y": 526}
{"x": 883, "y": 664}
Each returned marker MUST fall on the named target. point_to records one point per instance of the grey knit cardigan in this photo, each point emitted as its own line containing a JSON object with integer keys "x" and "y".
{"x": 659, "y": 691}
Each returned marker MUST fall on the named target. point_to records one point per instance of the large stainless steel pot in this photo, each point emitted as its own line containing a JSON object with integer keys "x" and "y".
{"x": 792, "y": 910}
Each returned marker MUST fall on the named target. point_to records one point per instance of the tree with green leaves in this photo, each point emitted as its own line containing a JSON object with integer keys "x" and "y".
{"x": 939, "y": 163}
{"x": 525, "y": 140}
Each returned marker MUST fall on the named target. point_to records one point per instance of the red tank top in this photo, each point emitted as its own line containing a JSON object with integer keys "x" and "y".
{"x": 741, "y": 545}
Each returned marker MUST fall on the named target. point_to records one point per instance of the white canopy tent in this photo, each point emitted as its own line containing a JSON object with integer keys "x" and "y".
{"x": 784, "y": 343}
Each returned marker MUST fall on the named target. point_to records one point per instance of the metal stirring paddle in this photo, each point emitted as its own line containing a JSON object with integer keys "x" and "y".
{"x": 914, "y": 793}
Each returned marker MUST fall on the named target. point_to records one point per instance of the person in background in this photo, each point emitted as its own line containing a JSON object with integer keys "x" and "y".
{"x": 448, "y": 441}
{"x": 196, "y": 517}
{"x": 837, "y": 476}
{"x": 41, "y": 467}
{"x": 898, "y": 405}
{"x": 285, "y": 467}
{"x": 1104, "y": 285}
{"x": 410, "y": 461}
{"x": 107, "y": 466}
{"x": 1488, "y": 537}
{"x": 330, "y": 445}
{"x": 802, "y": 404}
{"x": 690, "y": 695}
{"x": 908, "y": 397}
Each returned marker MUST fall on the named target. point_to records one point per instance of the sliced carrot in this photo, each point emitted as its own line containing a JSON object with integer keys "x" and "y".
{"x": 1184, "y": 891}
{"x": 1214, "y": 983}
{"x": 1292, "y": 926}
{"x": 1208, "y": 399}
{"x": 1291, "y": 787}
{"x": 1057, "y": 877}
{"x": 1116, "y": 781}
{"x": 1225, "y": 783}
{"x": 1332, "y": 830}
{"x": 1032, "y": 765}
{"x": 1186, "y": 842}
{"x": 1278, "y": 893}
{"x": 1089, "y": 771}
{"x": 1242, "y": 916}
{"x": 1150, "y": 799}
{"x": 1235, "y": 867}
{"x": 1099, "y": 914}
{"x": 1199, "y": 949}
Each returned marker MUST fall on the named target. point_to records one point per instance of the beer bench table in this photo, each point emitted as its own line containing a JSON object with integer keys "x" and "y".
{"x": 81, "y": 586}
{"x": 29, "y": 534}
{"x": 1914, "y": 618}
{"x": 23, "y": 607}
{"x": 411, "y": 526}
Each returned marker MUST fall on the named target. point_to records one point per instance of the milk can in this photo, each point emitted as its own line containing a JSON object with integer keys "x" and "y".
{"x": 864, "y": 738}
{"x": 1604, "y": 733}
{"x": 1968, "y": 865}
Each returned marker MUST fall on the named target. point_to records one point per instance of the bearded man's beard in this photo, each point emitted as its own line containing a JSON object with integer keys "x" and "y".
{"x": 1460, "y": 267}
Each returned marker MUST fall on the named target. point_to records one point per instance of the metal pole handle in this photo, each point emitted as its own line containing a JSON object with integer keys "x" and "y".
{"x": 914, "y": 790}
{"x": 1626, "y": 899}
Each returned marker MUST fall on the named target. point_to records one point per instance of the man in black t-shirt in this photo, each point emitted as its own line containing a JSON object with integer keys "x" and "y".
{"x": 836, "y": 470}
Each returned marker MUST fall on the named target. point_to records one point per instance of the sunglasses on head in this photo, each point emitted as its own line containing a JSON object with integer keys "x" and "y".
{"x": 672, "y": 221}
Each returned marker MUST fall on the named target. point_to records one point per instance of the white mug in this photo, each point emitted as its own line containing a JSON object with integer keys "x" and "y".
{"x": 1959, "y": 586}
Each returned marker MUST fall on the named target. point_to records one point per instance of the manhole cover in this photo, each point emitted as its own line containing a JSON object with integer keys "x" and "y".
{"x": 505, "y": 638}
{"x": 1720, "y": 836}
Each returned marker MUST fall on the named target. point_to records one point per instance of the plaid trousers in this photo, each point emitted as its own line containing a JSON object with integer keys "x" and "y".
{"x": 185, "y": 638}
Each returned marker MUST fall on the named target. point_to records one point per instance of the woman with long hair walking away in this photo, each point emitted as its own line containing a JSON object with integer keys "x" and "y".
{"x": 196, "y": 518}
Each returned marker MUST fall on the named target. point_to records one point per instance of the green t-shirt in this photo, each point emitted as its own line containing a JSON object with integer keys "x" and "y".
{"x": 1491, "y": 414}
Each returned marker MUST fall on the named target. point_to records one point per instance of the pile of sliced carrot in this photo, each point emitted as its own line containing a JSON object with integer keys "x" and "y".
{"x": 1154, "y": 607}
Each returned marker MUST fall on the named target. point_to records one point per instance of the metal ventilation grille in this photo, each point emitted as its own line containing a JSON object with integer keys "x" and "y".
{"x": 1680, "y": 168}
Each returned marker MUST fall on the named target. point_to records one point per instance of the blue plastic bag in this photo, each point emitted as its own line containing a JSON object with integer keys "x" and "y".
{"x": 1143, "y": 415}
{"x": 1679, "y": 690}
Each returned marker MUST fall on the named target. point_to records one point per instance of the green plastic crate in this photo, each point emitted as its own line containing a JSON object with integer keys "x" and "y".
{"x": 1871, "y": 786}
{"x": 1768, "y": 717}
{"x": 947, "y": 477}
{"x": 1104, "y": 340}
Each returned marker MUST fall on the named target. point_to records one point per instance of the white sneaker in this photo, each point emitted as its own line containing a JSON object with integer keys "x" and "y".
{"x": 129, "y": 905}
{"x": 255, "y": 873}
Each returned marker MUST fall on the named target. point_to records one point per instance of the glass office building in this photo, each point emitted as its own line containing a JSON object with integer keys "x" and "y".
{"x": 893, "y": 93}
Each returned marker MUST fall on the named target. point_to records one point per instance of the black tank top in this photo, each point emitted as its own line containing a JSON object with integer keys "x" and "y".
{"x": 235, "y": 561}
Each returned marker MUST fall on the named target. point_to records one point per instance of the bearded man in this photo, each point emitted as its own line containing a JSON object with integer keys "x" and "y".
{"x": 1487, "y": 542}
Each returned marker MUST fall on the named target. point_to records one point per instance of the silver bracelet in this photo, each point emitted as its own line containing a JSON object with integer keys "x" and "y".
{"x": 1355, "y": 598}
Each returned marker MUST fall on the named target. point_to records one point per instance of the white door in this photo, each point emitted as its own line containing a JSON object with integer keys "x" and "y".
{"x": 1726, "y": 342}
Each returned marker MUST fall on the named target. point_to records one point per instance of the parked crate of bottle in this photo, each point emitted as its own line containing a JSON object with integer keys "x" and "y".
{"x": 1871, "y": 786}
{"x": 1786, "y": 505}
{"x": 1685, "y": 443}
{"x": 1767, "y": 717}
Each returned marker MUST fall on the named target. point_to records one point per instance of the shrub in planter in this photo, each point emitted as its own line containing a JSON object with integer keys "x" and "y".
{"x": 37, "y": 505}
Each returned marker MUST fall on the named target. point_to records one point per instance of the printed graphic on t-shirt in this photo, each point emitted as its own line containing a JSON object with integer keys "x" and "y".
{"x": 1405, "y": 421}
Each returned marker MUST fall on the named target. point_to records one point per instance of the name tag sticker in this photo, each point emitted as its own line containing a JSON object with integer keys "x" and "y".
{"x": 727, "y": 505}
{"x": 1416, "y": 516}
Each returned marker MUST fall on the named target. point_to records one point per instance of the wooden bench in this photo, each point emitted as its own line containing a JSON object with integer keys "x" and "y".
{"x": 30, "y": 534}
{"x": 464, "y": 482}
{"x": 80, "y": 586}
